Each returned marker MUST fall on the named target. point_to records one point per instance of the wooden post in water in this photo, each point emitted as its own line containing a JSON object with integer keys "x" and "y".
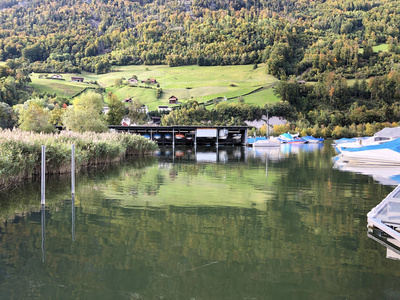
{"x": 43, "y": 175}
{"x": 73, "y": 169}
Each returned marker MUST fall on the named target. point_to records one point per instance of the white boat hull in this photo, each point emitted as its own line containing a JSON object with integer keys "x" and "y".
{"x": 265, "y": 143}
{"x": 372, "y": 157}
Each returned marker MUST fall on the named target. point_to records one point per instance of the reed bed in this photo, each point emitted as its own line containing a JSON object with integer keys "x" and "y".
{"x": 20, "y": 152}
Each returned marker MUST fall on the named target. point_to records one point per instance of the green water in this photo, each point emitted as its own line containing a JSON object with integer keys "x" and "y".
{"x": 232, "y": 224}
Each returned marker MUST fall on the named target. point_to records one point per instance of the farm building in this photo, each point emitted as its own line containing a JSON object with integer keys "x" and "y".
{"x": 150, "y": 80}
{"x": 173, "y": 100}
{"x": 132, "y": 80}
{"x": 77, "y": 79}
{"x": 164, "y": 108}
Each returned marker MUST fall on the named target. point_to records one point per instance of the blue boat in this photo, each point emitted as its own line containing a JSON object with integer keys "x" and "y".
{"x": 287, "y": 138}
{"x": 312, "y": 140}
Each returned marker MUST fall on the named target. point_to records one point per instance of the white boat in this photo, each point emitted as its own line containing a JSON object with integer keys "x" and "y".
{"x": 385, "y": 135}
{"x": 223, "y": 134}
{"x": 236, "y": 137}
{"x": 266, "y": 143}
{"x": 384, "y": 154}
{"x": 313, "y": 140}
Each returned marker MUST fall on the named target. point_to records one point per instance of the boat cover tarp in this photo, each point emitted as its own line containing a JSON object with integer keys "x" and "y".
{"x": 389, "y": 132}
{"x": 393, "y": 145}
{"x": 311, "y": 138}
{"x": 286, "y": 136}
{"x": 344, "y": 140}
{"x": 258, "y": 138}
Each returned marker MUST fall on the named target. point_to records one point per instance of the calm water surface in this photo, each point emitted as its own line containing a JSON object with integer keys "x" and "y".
{"x": 232, "y": 224}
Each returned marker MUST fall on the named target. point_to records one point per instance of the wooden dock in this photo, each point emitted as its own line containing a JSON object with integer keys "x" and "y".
{"x": 189, "y": 135}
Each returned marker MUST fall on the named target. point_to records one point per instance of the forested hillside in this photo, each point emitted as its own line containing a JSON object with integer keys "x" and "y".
{"x": 337, "y": 61}
{"x": 293, "y": 37}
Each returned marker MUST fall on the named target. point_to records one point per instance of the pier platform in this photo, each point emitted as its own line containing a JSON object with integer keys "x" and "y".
{"x": 192, "y": 135}
{"x": 384, "y": 223}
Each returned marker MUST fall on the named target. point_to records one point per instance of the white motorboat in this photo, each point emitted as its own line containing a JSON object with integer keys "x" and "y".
{"x": 384, "y": 154}
{"x": 385, "y": 135}
{"x": 266, "y": 143}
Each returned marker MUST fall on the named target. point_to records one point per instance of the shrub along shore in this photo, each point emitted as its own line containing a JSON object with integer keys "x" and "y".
{"x": 20, "y": 152}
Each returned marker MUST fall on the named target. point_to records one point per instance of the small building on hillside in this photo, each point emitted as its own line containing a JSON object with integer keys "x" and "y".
{"x": 133, "y": 81}
{"x": 56, "y": 76}
{"x": 150, "y": 81}
{"x": 173, "y": 100}
{"x": 77, "y": 79}
{"x": 162, "y": 108}
{"x": 127, "y": 100}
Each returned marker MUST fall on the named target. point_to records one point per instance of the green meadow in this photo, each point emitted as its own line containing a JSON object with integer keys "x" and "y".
{"x": 186, "y": 82}
{"x": 63, "y": 88}
{"x": 377, "y": 48}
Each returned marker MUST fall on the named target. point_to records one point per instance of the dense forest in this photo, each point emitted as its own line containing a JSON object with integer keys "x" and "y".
{"x": 326, "y": 42}
{"x": 303, "y": 38}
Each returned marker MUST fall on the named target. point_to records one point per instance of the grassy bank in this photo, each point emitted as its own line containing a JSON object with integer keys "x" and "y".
{"x": 20, "y": 152}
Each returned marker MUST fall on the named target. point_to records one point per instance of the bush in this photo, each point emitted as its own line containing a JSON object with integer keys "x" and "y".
{"x": 20, "y": 152}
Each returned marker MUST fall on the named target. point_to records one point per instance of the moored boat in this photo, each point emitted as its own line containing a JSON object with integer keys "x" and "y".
{"x": 237, "y": 137}
{"x": 223, "y": 134}
{"x": 179, "y": 136}
{"x": 287, "y": 138}
{"x": 385, "y": 135}
{"x": 387, "y": 153}
{"x": 189, "y": 136}
{"x": 266, "y": 143}
{"x": 312, "y": 140}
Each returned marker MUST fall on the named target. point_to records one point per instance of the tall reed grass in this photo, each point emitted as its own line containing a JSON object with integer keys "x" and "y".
{"x": 20, "y": 152}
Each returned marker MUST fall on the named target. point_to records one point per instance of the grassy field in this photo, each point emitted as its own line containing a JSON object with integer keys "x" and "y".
{"x": 377, "y": 48}
{"x": 187, "y": 82}
{"x": 381, "y": 47}
{"x": 64, "y": 88}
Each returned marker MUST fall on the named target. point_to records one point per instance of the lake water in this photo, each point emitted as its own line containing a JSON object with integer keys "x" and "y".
{"x": 199, "y": 224}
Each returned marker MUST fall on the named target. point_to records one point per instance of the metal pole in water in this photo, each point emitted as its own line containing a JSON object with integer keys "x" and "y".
{"x": 43, "y": 232}
{"x": 73, "y": 217}
{"x": 73, "y": 169}
{"x": 195, "y": 139}
{"x": 43, "y": 175}
{"x": 173, "y": 138}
